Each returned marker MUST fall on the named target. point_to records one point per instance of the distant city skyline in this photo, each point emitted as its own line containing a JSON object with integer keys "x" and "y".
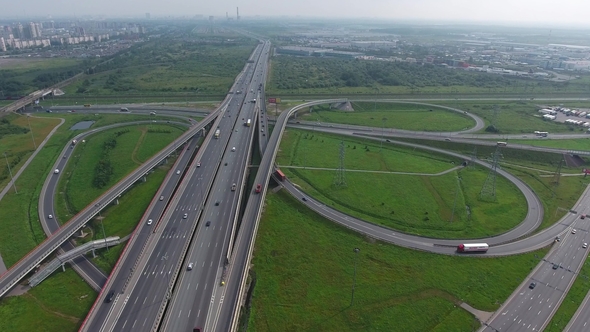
{"x": 571, "y": 13}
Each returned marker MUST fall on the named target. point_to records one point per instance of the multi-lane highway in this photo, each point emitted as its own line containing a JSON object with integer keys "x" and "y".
{"x": 205, "y": 193}
{"x": 533, "y": 304}
{"x": 37, "y": 255}
{"x": 205, "y": 205}
{"x": 196, "y": 290}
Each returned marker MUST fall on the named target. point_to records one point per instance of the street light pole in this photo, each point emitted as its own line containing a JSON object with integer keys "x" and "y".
{"x": 382, "y": 130}
{"x": 31, "y": 130}
{"x": 456, "y": 195}
{"x": 356, "y": 251}
{"x": 103, "y": 233}
{"x": 9, "y": 171}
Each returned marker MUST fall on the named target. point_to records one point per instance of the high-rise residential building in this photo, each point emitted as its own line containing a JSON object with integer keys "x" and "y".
{"x": 32, "y": 30}
{"x": 2, "y": 45}
{"x": 38, "y": 30}
{"x": 18, "y": 31}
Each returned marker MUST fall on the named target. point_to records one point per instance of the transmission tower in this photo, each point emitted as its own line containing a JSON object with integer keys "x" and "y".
{"x": 488, "y": 191}
{"x": 557, "y": 174}
{"x": 495, "y": 116}
{"x": 339, "y": 179}
{"x": 473, "y": 157}
{"x": 557, "y": 177}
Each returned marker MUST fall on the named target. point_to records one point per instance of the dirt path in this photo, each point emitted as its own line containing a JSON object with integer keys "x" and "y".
{"x": 137, "y": 145}
{"x": 70, "y": 318}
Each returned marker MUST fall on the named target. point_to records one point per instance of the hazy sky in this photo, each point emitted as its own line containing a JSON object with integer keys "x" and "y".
{"x": 551, "y": 12}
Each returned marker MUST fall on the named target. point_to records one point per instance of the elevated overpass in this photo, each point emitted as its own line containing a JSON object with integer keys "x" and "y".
{"x": 61, "y": 260}
{"x": 10, "y": 278}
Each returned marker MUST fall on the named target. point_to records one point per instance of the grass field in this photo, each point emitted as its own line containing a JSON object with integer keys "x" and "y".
{"x": 57, "y": 304}
{"x": 304, "y": 268}
{"x": 512, "y": 117}
{"x": 134, "y": 146}
{"x": 19, "y": 147}
{"x": 396, "y": 115}
{"x": 168, "y": 66}
{"x": 532, "y": 167}
{"x": 570, "y": 144}
{"x": 25, "y": 75}
{"x": 413, "y": 203}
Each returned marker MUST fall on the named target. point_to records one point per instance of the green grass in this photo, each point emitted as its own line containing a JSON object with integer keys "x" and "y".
{"x": 513, "y": 117}
{"x": 571, "y": 144}
{"x": 58, "y": 304}
{"x": 120, "y": 220}
{"x": 168, "y": 66}
{"x": 396, "y": 115}
{"x": 316, "y": 149}
{"x": 23, "y": 76}
{"x": 417, "y": 204}
{"x": 19, "y": 147}
{"x": 133, "y": 148}
{"x": 555, "y": 200}
{"x": 572, "y": 301}
{"x": 304, "y": 268}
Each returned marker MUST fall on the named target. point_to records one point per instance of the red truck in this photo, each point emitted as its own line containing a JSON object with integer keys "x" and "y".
{"x": 280, "y": 175}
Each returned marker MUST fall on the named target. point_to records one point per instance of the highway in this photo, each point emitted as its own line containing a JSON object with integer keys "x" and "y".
{"x": 93, "y": 276}
{"x": 205, "y": 189}
{"x": 224, "y": 300}
{"x": 197, "y": 289}
{"x": 531, "y": 308}
{"x": 37, "y": 255}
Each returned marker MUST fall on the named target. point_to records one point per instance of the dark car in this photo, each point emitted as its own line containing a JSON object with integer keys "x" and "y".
{"x": 208, "y": 223}
{"x": 258, "y": 188}
{"x": 110, "y": 297}
{"x": 304, "y": 199}
{"x": 532, "y": 285}
{"x": 555, "y": 266}
{"x": 583, "y": 216}
{"x": 217, "y": 203}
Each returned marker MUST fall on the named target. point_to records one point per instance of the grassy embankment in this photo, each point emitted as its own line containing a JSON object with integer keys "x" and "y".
{"x": 53, "y": 300}
{"x": 304, "y": 268}
{"x": 392, "y": 115}
{"x": 418, "y": 202}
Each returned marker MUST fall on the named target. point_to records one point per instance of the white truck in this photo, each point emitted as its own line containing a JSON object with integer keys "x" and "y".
{"x": 473, "y": 247}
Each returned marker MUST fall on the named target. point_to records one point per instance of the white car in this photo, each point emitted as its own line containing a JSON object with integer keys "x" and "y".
{"x": 574, "y": 231}
{"x": 585, "y": 245}
{"x": 199, "y": 164}
{"x": 185, "y": 216}
{"x": 50, "y": 216}
{"x": 178, "y": 172}
{"x": 150, "y": 221}
{"x": 233, "y": 149}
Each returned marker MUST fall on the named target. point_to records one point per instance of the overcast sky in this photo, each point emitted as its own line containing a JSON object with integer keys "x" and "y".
{"x": 550, "y": 12}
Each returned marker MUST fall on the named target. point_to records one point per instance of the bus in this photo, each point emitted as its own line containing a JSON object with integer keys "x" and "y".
{"x": 541, "y": 133}
{"x": 501, "y": 144}
{"x": 217, "y": 132}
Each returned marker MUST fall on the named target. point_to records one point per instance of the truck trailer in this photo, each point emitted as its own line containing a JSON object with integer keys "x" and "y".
{"x": 473, "y": 247}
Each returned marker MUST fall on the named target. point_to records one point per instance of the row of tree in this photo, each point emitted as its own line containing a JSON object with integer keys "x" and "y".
{"x": 308, "y": 72}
